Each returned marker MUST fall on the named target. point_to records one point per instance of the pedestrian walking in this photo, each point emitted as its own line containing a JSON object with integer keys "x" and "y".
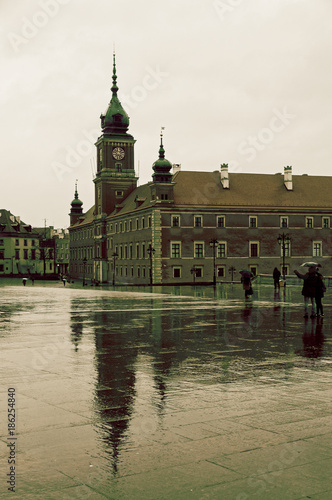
{"x": 246, "y": 277}
{"x": 309, "y": 289}
{"x": 24, "y": 281}
{"x": 276, "y": 278}
{"x": 320, "y": 289}
{"x": 64, "y": 281}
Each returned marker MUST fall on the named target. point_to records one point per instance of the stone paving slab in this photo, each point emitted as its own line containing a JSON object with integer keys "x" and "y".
{"x": 107, "y": 409}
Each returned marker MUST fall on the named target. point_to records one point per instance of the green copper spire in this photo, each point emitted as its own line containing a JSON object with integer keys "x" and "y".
{"x": 114, "y": 88}
{"x": 115, "y": 121}
{"x": 161, "y": 149}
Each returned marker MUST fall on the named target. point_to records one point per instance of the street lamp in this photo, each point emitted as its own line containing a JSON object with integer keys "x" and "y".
{"x": 213, "y": 244}
{"x": 84, "y": 265}
{"x": 283, "y": 239}
{"x": 114, "y": 255}
{"x": 232, "y": 270}
{"x": 193, "y": 272}
{"x": 150, "y": 251}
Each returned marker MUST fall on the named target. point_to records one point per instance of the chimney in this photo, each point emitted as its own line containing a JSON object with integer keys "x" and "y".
{"x": 288, "y": 179}
{"x": 224, "y": 175}
{"x": 176, "y": 168}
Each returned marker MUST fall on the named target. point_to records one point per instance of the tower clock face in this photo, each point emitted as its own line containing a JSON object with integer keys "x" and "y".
{"x": 118, "y": 153}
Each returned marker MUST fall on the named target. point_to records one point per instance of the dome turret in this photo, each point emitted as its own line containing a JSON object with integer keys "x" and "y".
{"x": 162, "y": 167}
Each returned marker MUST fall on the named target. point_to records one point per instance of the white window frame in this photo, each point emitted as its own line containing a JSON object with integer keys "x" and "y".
{"x": 312, "y": 222}
{"x": 320, "y": 243}
{"x": 224, "y": 271}
{"x": 171, "y": 250}
{"x": 199, "y": 243}
{"x": 253, "y": 243}
{"x": 178, "y": 268}
{"x": 201, "y": 268}
{"x": 281, "y": 218}
{"x": 224, "y": 219}
{"x": 198, "y": 217}
{"x": 222, "y": 243}
{"x": 328, "y": 223}
{"x": 178, "y": 217}
{"x": 254, "y": 217}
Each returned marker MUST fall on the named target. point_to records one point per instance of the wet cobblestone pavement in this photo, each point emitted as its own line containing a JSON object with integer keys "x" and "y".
{"x": 181, "y": 393}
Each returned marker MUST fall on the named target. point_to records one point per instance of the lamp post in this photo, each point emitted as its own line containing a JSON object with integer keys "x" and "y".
{"x": 84, "y": 266}
{"x": 213, "y": 244}
{"x": 193, "y": 272}
{"x": 150, "y": 251}
{"x": 114, "y": 255}
{"x": 282, "y": 240}
{"x": 232, "y": 271}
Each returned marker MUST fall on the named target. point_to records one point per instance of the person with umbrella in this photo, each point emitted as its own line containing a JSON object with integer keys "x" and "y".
{"x": 310, "y": 280}
{"x": 246, "y": 277}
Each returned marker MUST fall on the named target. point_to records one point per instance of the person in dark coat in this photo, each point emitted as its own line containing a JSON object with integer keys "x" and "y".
{"x": 276, "y": 278}
{"x": 246, "y": 283}
{"x": 320, "y": 289}
{"x": 309, "y": 289}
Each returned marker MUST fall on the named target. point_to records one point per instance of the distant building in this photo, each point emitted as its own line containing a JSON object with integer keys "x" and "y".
{"x": 19, "y": 246}
{"x": 27, "y": 250}
{"x": 187, "y": 226}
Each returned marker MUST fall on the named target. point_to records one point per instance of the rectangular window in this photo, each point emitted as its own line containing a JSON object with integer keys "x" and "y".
{"x": 1, "y": 268}
{"x": 138, "y": 272}
{"x": 17, "y": 254}
{"x": 143, "y": 223}
{"x": 221, "y": 250}
{"x": 283, "y": 221}
{"x": 287, "y": 249}
{"x": 25, "y": 243}
{"x": 1, "y": 242}
{"x": 309, "y": 222}
{"x": 176, "y": 272}
{"x": 17, "y": 242}
{"x": 175, "y": 221}
{"x": 2, "y": 254}
{"x": 33, "y": 254}
{"x": 199, "y": 250}
{"x": 221, "y": 272}
{"x": 175, "y": 250}
{"x": 220, "y": 221}
{"x": 317, "y": 248}
{"x": 143, "y": 250}
{"x": 199, "y": 272}
{"x": 326, "y": 222}
{"x": 198, "y": 221}
{"x": 137, "y": 225}
{"x": 252, "y": 221}
{"x": 149, "y": 221}
{"x": 253, "y": 269}
{"x": 253, "y": 250}
{"x": 25, "y": 254}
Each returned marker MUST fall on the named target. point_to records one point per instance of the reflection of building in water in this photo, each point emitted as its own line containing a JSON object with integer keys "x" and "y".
{"x": 76, "y": 325}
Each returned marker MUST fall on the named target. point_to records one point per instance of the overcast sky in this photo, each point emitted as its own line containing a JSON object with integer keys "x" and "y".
{"x": 244, "y": 82}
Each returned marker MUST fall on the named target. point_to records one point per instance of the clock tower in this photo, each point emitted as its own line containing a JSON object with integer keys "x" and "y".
{"x": 115, "y": 178}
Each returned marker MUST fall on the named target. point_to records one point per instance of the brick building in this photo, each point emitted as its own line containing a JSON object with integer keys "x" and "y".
{"x": 189, "y": 225}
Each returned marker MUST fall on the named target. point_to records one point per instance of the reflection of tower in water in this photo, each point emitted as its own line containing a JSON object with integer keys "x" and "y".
{"x": 115, "y": 392}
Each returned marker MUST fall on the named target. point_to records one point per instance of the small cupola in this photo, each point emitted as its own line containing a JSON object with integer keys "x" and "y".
{"x": 76, "y": 208}
{"x": 162, "y": 167}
